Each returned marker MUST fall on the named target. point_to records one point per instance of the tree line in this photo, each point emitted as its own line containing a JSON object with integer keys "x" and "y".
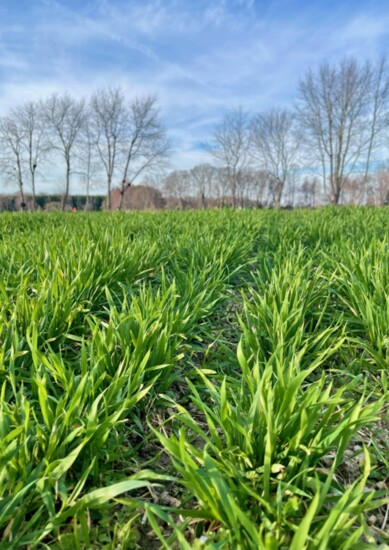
{"x": 330, "y": 146}
{"x": 327, "y": 144}
{"x": 107, "y": 134}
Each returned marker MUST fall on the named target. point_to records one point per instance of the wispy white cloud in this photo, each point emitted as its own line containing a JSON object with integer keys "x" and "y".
{"x": 201, "y": 58}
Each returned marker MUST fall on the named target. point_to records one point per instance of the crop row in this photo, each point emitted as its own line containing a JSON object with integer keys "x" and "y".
{"x": 194, "y": 380}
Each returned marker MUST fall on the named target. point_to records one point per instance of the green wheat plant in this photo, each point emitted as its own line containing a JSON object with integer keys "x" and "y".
{"x": 206, "y": 380}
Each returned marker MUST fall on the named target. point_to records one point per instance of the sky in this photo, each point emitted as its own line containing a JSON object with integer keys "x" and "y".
{"x": 201, "y": 58}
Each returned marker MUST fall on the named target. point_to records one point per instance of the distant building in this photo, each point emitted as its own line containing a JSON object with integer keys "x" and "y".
{"x": 138, "y": 197}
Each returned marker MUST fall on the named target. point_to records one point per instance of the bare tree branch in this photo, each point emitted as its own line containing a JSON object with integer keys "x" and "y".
{"x": 331, "y": 108}
{"x": 144, "y": 145}
{"x": 65, "y": 118}
{"x": 274, "y": 146}
{"x": 109, "y": 117}
{"x": 230, "y": 148}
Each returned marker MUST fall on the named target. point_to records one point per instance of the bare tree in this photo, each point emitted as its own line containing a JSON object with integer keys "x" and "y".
{"x": 274, "y": 145}
{"x": 203, "y": 176}
{"x": 25, "y": 140}
{"x": 221, "y": 185}
{"x": 258, "y": 183}
{"x": 177, "y": 185}
{"x": 35, "y": 143}
{"x": 377, "y": 118}
{"x": 332, "y": 107}
{"x": 382, "y": 187}
{"x": 109, "y": 116}
{"x": 64, "y": 117}
{"x": 246, "y": 186}
{"x": 308, "y": 190}
{"x": 88, "y": 158}
{"x": 12, "y": 136}
{"x": 230, "y": 148}
{"x": 145, "y": 146}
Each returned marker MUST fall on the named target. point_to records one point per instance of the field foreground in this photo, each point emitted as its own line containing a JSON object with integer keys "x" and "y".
{"x": 206, "y": 380}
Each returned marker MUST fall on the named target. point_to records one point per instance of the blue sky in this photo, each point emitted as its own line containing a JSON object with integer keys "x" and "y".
{"x": 200, "y": 57}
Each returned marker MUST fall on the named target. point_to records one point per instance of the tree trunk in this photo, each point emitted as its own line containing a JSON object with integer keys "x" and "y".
{"x": 67, "y": 184}
{"x": 87, "y": 201}
{"x": 336, "y": 193}
{"x": 122, "y": 191}
{"x": 20, "y": 182}
{"x": 23, "y": 205}
{"x": 278, "y": 194}
{"x": 109, "y": 185}
{"x": 33, "y": 189}
{"x": 234, "y": 195}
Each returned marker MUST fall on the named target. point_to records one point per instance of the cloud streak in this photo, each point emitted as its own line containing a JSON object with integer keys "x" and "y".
{"x": 201, "y": 58}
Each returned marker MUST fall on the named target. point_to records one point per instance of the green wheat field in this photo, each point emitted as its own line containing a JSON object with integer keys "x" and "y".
{"x": 207, "y": 380}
